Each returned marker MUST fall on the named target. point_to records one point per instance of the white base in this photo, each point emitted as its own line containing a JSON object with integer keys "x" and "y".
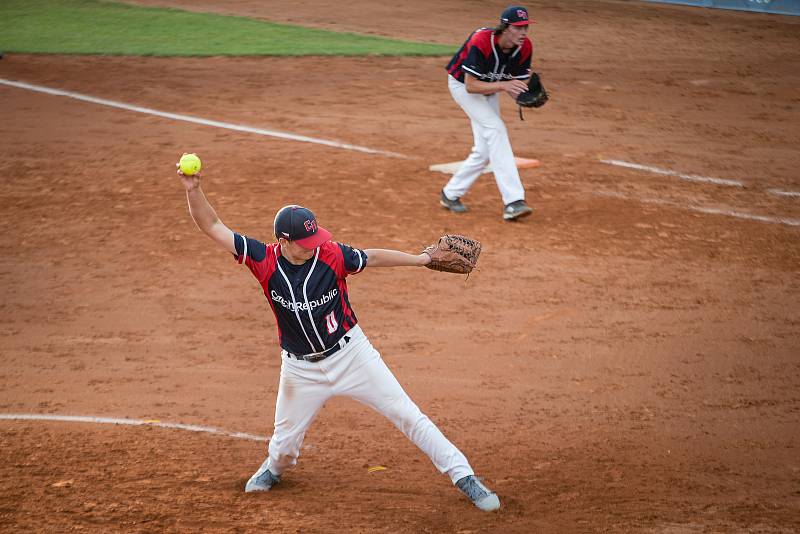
{"x": 453, "y": 166}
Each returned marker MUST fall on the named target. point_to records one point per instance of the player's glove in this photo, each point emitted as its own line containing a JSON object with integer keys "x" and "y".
{"x": 535, "y": 96}
{"x": 454, "y": 254}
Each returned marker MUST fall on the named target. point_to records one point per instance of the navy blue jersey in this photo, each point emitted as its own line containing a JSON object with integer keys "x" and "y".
{"x": 310, "y": 301}
{"x": 481, "y": 57}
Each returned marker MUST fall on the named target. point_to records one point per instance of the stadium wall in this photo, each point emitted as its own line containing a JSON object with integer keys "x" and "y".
{"x": 781, "y": 7}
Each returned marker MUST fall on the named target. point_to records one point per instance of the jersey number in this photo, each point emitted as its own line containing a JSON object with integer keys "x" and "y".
{"x": 330, "y": 322}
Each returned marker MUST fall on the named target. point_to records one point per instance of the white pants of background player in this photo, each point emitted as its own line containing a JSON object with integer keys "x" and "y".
{"x": 491, "y": 145}
{"x": 356, "y": 371}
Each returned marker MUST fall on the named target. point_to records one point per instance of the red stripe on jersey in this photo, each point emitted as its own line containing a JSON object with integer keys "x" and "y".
{"x": 480, "y": 38}
{"x": 273, "y": 251}
{"x": 526, "y": 50}
{"x": 483, "y": 40}
{"x": 477, "y": 38}
{"x": 349, "y": 319}
{"x": 331, "y": 254}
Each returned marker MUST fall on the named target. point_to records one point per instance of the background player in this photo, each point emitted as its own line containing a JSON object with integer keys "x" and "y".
{"x": 324, "y": 352}
{"x": 491, "y": 61}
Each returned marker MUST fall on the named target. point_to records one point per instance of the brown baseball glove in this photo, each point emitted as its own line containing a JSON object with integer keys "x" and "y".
{"x": 454, "y": 254}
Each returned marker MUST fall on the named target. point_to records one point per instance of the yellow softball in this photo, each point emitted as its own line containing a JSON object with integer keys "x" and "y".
{"x": 190, "y": 164}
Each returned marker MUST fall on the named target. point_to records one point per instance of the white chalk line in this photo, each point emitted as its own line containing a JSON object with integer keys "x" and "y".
{"x": 701, "y": 209}
{"x": 781, "y": 193}
{"x": 199, "y": 120}
{"x": 693, "y": 177}
{"x": 131, "y": 422}
{"x": 667, "y": 172}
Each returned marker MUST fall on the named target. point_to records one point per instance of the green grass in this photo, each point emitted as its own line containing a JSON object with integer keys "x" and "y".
{"x": 99, "y": 27}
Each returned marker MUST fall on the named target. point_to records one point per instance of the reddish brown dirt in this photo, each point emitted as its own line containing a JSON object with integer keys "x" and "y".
{"x": 615, "y": 365}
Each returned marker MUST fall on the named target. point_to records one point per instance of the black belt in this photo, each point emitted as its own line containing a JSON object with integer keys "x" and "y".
{"x": 319, "y": 356}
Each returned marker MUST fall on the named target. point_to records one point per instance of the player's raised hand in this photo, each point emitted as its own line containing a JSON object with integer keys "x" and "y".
{"x": 190, "y": 182}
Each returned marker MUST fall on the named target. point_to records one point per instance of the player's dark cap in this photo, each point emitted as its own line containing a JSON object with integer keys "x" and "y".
{"x": 299, "y": 224}
{"x": 515, "y": 16}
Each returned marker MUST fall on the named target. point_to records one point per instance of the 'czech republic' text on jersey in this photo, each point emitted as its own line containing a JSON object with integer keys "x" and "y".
{"x": 483, "y": 58}
{"x": 310, "y": 301}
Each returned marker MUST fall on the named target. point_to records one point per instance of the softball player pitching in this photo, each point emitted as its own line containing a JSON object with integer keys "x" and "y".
{"x": 490, "y": 62}
{"x": 324, "y": 352}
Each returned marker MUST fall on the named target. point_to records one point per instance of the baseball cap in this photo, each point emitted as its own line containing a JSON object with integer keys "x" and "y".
{"x": 299, "y": 224}
{"x": 515, "y": 16}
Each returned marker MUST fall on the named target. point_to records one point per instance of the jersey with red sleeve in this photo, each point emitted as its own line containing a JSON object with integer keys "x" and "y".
{"x": 481, "y": 57}
{"x": 310, "y": 301}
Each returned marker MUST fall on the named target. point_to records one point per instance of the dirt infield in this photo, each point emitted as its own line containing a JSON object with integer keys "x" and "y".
{"x": 626, "y": 360}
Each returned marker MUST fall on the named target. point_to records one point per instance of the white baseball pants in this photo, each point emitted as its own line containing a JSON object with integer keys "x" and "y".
{"x": 491, "y": 145}
{"x": 356, "y": 371}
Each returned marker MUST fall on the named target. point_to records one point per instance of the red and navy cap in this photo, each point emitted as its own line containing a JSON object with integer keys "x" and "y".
{"x": 515, "y": 16}
{"x": 299, "y": 224}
